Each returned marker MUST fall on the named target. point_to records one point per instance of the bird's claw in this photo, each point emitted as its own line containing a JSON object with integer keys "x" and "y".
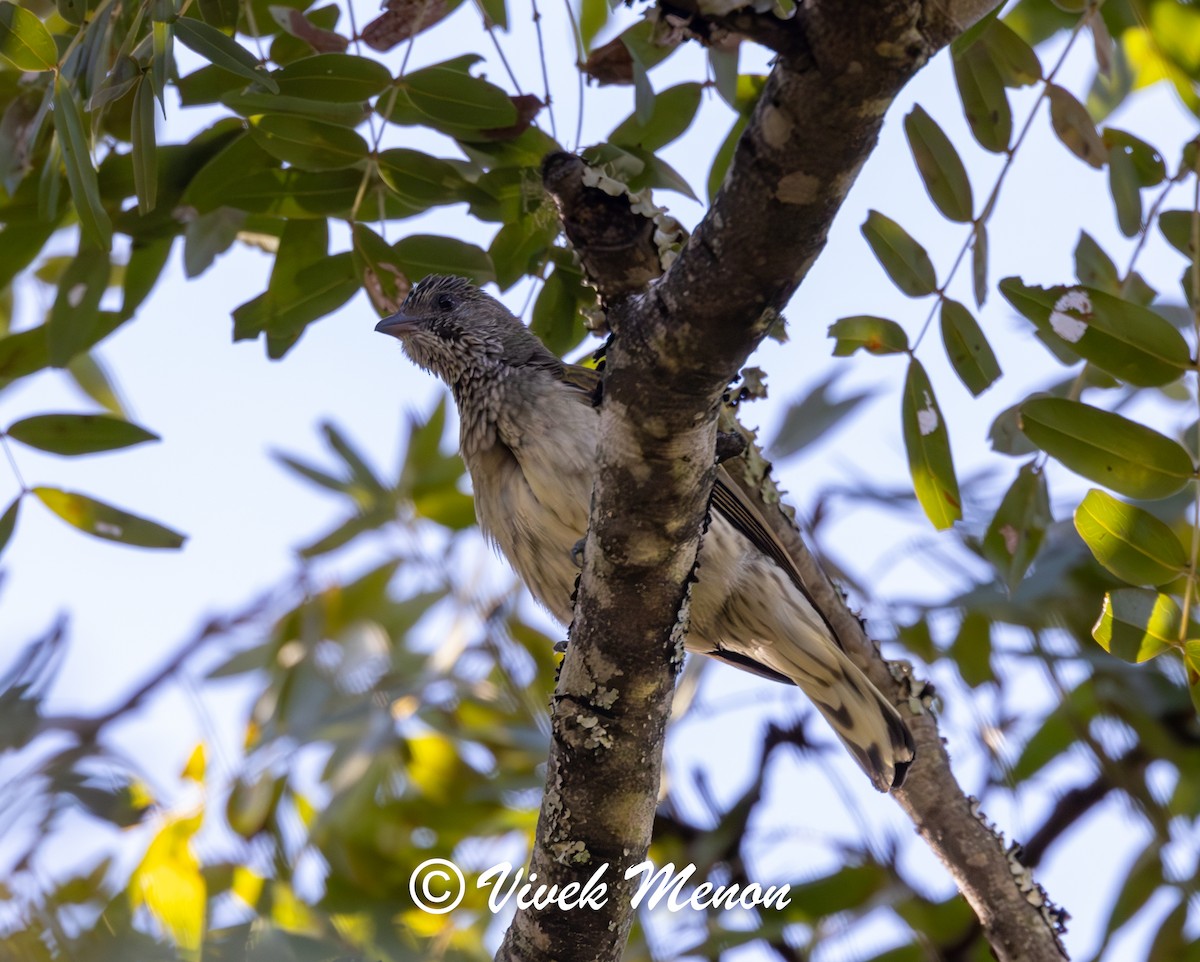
{"x": 577, "y": 552}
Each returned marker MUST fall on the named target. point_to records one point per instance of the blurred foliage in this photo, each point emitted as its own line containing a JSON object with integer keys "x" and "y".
{"x": 400, "y": 714}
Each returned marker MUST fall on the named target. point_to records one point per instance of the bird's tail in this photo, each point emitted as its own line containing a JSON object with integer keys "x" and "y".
{"x": 866, "y": 722}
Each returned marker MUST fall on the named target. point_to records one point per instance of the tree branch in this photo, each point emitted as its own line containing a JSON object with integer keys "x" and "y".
{"x": 675, "y": 350}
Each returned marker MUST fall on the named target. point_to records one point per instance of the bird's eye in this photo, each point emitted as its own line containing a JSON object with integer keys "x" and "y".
{"x": 445, "y": 302}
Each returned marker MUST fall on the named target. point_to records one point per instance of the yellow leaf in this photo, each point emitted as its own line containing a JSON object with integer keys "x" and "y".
{"x": 247, "y": 885}
{"x": 196, "y": 764}
{"x": 169, "y": 883}
{"x": 288, "y": 912}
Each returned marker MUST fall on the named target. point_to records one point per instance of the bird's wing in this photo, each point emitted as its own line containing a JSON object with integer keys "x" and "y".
{"x": 740, "y": 511}
{"x": 729, "y": 500}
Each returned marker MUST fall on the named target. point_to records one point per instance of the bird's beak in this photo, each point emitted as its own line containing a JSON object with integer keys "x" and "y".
{"x": 398, "y": 324}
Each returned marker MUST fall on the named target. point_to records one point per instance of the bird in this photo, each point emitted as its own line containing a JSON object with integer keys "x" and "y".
{"x": 529, "y": 427}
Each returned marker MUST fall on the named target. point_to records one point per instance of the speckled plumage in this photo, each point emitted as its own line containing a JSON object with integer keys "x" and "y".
{"x": 529, "y": 433}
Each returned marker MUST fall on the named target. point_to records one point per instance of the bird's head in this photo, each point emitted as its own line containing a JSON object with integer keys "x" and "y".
{"x": 451, "y": 328}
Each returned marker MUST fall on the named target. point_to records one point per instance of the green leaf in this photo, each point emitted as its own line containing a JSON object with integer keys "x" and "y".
{"x": 672, "y": 114}
{"x": 294, "y": 194}
{"x": 906, "y": 262}
{"x": 556, "y": 319}
{"x": 985, "y": 103}
{"x": 520, "y": 247}
{"x": 979, "y": 262}
{"x": 24, "y": 40}
{"x": 221, "y": 51}
{"x": 724, "y": 66}
{"x": 968, "y": 349}
{"x": 377, "y": 270}
{"x": 81, "y": 175}
{"x": 309, "y": 144}
{"x": 1107, "y": 448}
{"x": 1176, "y": 227}
{"x": 1135, "y": 624}
{"x": 875, "y": 335}
{"x": 1074, "y": 127}
{"x": 1014, "y": 59}
{"x": 207, "y": 236}
{"x": 928, "y": 444}
{"x": 1148, "y": 163}
{"x": 1125, "y": 339}
{"x": 1015, "y": 533}
{"x": 1130, "y": 542}
{"x": 972, "y": 649}
{"x": 810, "y": 418}
{"x": 724, "y": 157}
{"x": 146, "y": 262}
{"x": 76, "y": 308}
{"x": 145, "y": 146}
{"x": 252, "y": 103}
{"x": 1123, "y": 185}
{"x": 91, "y": 377}
{"x": 423, "y": 254}
{"x": 306, "y": 284}
{"x": 420, "y": 180}
{"x": 104, "y": 521}
{"x": 71, "y": 434}
{"x": 939, "y": 165}
{"x": 453, "y": 97}
{"x": 1093, "y": 267}
{"x": 334, "y": 77}
{"x": 8, "y": 523}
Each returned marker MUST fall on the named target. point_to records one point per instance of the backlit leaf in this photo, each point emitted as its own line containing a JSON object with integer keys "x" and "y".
{"x": 168, "y": 881}
{"x": 24, "y": 40}
{"x": 418, "y": 179}
{"x": 104, "y": 521}
{"x": 1129, "y": 541}
{"x": 1136, "y": 624}
{"x": 1107, "y": 448}
{"x": 928, "y": 445}
{"x": 309, "y": 144}
{"x": 875, "y": 335}
{"x": 1125, "y": 339}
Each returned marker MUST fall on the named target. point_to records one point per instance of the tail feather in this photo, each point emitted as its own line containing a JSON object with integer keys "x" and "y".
{"x": 863, "y": 719}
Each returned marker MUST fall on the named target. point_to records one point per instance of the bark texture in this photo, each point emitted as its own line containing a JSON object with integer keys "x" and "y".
{"x": 676, "y": 348}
